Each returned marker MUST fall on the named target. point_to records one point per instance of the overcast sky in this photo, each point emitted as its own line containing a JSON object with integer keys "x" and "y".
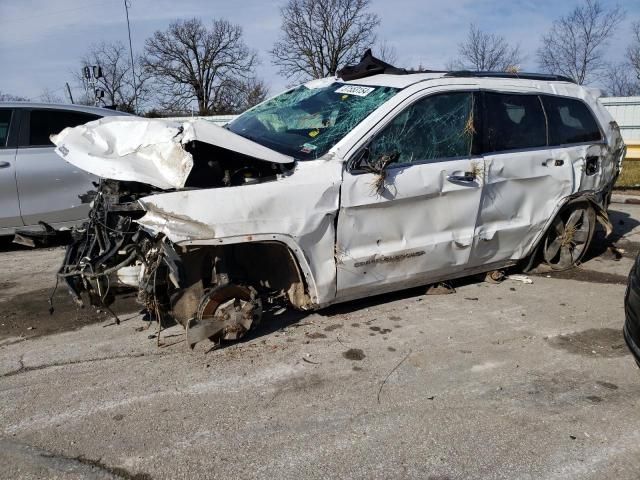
{"x": 41, "y": 41}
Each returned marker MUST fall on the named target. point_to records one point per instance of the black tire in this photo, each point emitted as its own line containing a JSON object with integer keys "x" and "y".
{"x": 569, "y": 236}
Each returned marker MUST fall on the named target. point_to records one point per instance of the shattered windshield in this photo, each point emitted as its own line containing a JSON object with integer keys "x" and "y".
{"x": 306, "y": 122}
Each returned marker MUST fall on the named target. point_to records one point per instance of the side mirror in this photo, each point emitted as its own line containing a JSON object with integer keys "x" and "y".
{"x": 361, "y": 161}
{"x": 379, "y": 164}
{"x": 365, "y": 161}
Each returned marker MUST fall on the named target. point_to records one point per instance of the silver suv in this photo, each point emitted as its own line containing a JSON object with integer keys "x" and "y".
{"x": 35, "y": 183}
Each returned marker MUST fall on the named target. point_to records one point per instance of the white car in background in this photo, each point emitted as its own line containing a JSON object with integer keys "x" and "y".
{"x": 36, "y": 184}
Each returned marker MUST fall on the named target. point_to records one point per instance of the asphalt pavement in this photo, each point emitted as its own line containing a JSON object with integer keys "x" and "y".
{"x": 506, "y": 381}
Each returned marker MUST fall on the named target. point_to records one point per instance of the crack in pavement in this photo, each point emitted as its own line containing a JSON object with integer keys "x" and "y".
{"x": 7, "y": 343}
{"x": 118, "y": 472}
{"x": 28, "y": 457}
{"x": 26, "y": 369}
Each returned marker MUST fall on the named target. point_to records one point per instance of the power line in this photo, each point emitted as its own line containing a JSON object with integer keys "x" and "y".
{"x": 127, "y": 4}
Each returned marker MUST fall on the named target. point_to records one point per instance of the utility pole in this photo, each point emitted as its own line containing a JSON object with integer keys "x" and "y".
{"x": 69, "y": 92}
{"x": 127, "y": 4}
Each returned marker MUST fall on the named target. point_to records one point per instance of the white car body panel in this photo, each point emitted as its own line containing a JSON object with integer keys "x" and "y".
{"x": 8, "y": 190}
{"x": 306, "y": 214}
{"x": 521, "y": 192}
{"x": 148, "y": 150}
{"x": 409, "y": 231}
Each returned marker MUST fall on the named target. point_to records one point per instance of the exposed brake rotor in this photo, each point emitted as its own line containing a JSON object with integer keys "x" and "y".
{"x": 226, "y": 312}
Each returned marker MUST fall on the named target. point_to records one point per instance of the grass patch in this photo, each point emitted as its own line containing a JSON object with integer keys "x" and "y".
{"x": 630, "y": 176}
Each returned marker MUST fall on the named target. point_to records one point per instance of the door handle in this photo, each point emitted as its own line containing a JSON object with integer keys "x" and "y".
{"x": 557, "y": 162}
{"x": 4, "y": 164}
{"x": 466, "y": 177}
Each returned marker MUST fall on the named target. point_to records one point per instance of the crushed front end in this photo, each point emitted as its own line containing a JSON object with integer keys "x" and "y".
{"x": 111, "y": 254}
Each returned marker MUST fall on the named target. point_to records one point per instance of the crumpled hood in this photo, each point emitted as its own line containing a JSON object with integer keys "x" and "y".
{"x": 149, "y": 151}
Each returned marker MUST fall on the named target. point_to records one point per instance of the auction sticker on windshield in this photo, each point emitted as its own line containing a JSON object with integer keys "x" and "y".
{"x": 355, "y": 90}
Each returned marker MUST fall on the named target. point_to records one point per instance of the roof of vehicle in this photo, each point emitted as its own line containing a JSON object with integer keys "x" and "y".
{"x": 104, "y": 112}
{"x": 375, "y": 72}
{"x": 403, "y": 81}
{"x": 395, "y": 81}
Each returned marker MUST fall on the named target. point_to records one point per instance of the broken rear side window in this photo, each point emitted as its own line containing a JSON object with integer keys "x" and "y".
{"x": 5, "y": 121}
{"x": 513, "y": 122}
{"x": 306, "y": 122}
{"x": 434, "y": 128}
{"x": 570, "y": 121}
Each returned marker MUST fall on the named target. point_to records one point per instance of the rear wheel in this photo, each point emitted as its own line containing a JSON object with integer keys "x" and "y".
{"x": 569, "y": 236}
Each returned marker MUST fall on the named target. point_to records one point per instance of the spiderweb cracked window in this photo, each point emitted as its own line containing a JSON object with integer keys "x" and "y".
{"x": 436, "y": 127}
{"x": 306, "y": 122}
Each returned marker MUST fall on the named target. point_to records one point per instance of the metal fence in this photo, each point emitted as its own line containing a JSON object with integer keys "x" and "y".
{"x": 626, "y": 111}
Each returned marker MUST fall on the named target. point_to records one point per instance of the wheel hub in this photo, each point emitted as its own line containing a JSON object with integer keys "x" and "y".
{"x": 227, "y": 312}
{"x": 569, "y": 237}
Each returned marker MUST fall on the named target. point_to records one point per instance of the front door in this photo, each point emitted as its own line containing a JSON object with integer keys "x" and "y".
{"x": 408, "y": 211}
{"x": 525, "y": 180}
{"x": 9, "y": 207}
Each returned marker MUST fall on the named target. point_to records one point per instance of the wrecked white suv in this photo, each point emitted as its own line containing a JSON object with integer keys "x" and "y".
{"x": 375, "y": 180}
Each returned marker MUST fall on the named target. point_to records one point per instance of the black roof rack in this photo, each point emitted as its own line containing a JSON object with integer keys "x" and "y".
{"x": 370, "y": 65}
{"x": 520, "y": 75}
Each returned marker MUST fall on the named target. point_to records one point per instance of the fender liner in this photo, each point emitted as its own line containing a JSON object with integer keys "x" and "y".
{"x": 298, "y": 258}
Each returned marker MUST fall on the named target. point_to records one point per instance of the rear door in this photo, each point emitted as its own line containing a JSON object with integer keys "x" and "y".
{"x": 9, "y": 207}
{"x": 415, "y": 219}
{"x": 577, "y": 140}
{"x": 524, "y": 181}
{"x": 49, "y": 188}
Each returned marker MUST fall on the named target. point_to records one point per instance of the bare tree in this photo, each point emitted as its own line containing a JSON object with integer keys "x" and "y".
{"x": 633, "y": 50}
{"x": 623, "y": 79}
{"x": 117, "y": 80}
{"x": 386, "y": 52}
{"x": 320, "y": 37}
{"x": 619, "y": 81}
{"x": 483, "y": 52}
{"x": 574, "y": 47}
{"x": 8, "y": 97}
{"x": 244, "y": 95}
{"x": 50, "y": 96}
{"x": 252, "y": 93}
{"x": 192, "y": 63}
